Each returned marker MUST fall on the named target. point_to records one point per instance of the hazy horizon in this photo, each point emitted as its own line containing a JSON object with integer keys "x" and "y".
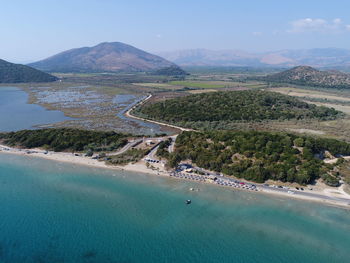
{"x": 38, "y": 29}
{"x": 184, "y": 49}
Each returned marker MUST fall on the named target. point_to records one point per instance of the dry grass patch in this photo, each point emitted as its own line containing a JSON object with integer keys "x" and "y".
{"x": 198, "y": 91}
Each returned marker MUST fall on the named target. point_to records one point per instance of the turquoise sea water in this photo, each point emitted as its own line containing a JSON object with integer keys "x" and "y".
{"x": 16, "y": 114}
{"x": 54, "y": 212}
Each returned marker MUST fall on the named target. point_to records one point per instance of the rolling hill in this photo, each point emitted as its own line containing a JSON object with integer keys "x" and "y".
{"x": 259, "y": 156}
{"x": 17, "y": 73}
{"x": 105, "y": 57}
{"x": 308, "y": 76}
{"x": 199, "y": 110}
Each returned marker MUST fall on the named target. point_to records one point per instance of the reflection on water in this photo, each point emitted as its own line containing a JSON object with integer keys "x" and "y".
{"x": 130, "y": 101}
{"x": 17, "y": 114}
{"x": 68, "y": 98}
{"x": 124, "y": 99}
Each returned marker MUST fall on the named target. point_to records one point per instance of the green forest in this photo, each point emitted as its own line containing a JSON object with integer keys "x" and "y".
{"x": 234, "y": 106}
{"x": 259, "y": 156}
{"x": 66, "y": 139}
{"x": 171, "y": 71}
{"x": 17, "y": 73}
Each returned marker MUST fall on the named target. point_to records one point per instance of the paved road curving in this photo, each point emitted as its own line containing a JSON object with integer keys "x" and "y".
{"x": 142, "y": 101}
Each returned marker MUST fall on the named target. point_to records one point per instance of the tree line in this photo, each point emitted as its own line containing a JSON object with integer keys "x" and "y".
{"x": 259, "y": 156}
{"x": 234, "y": 106}
{"x": 66, "y": 139}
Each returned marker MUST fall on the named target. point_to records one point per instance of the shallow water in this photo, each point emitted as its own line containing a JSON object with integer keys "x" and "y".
{"x": 148, "y": 128}
{"x": 54, "y": 212}
{"x": 17, "y": 114}
{"x": 68, "y": 98}
{"x": 124, "y": 99}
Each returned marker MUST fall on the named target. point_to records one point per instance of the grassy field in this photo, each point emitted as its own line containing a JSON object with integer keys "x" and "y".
{"x": 338, "y": 99}
{"x": 219, "y": 84}
{"x": 203, "y": 91}
{"x": 194, "y": 86}
{"x": 335, "y": 98}
{"x": 340, "y": 95}
{"x": 154, "y": 84}
{"x": 197, "y": 84}
{"x": 159, "y": 87}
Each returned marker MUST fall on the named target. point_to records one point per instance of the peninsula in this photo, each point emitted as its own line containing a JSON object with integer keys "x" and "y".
{"x": 277, "y": 163}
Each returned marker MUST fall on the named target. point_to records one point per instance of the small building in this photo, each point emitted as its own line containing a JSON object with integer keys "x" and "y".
{"x": 184, "y": 166}
{"x": 150, "y": 142}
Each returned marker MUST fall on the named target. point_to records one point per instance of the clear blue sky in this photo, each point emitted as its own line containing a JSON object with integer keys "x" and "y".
{"x": 34, "y": 29}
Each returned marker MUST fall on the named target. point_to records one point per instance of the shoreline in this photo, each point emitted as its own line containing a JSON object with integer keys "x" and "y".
{"x": 66, "y": 157}
{"x": 140, "y": 167}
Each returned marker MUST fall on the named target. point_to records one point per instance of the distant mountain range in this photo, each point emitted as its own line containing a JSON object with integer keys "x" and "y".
{"x": 105, "y": 57}
{"x": 318, "y": 57}
{"x": 308, "y": 76}
{"x": 17, "y": 73}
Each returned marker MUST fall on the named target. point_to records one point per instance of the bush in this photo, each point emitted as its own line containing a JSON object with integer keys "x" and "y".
{"x": 299, "y": 142}
{"x": 330, "y": 180}
{"x": 130, "y": 156}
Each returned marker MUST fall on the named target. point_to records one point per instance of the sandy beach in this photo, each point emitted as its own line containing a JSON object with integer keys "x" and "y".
{"x": 74, "y": 159}
{"x": 324, "y": 195}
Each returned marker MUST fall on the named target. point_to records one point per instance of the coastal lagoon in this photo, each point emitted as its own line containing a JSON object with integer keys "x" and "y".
{"x": 148, "y": 128}
{"x": 93, "y": 108}
{"x": 17, "y": 114}
{"x": 57, "y": 212}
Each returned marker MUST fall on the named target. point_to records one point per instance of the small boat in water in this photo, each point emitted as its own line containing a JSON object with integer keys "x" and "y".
{"x": 188, "y": 202}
